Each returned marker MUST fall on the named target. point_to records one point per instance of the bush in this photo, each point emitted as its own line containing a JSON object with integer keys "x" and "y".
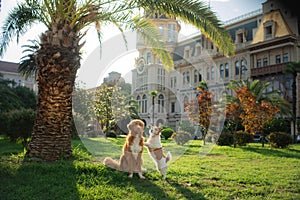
{"x": 181, "y": 137}
{"x": 19, "y": 125}
{"x": 187, "y": 126}
{"x": 111, "y": 134}
{"x": 279, "y": 139}
{"x": 225, "y": 139}
{"x": 167, "y": 133}
{"x": 241, "y": 138}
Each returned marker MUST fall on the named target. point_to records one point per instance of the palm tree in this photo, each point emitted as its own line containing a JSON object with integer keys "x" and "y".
{"x": 153, "y": 94}
{"x": 58, "y": 57}
{"x": 293, "y": 69}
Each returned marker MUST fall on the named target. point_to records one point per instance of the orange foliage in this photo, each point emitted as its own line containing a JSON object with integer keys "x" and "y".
{"x": 255, "y": 113}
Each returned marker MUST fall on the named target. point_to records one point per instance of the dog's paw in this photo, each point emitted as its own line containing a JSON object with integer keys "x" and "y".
{"x": 130, "y": 175}
{"x": 141, "y": 176}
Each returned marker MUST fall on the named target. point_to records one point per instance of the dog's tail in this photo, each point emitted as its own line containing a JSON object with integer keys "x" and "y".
{"x": 169, "y": 156}
{"x": 109, "y": 162}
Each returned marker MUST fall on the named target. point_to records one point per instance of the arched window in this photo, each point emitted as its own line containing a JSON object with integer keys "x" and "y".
{"x": 197, "y": 76}
{"x": 186, "y": 78}
{"x": 185, "y": 102}
{"x": 144, "y": 104}
{"x": 243, "y": 66}
{"x": 237, "y": 68}
{"x": 226, "y": 70}
{"x": 212, "y": 73}
{"x": 161, "y": 103}
{"x": 222, "y": 72}
{"x": 207, "y": 73}
{"x": 138, "y": 99}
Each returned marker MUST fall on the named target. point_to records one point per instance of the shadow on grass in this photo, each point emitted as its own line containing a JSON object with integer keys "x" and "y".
{"x": 287, "y": 153}
{"x": 153, "y": 187}
{"x": 38, "y": 181}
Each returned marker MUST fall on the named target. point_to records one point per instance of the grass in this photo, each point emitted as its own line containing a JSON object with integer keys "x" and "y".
{"x": 249, "y": 172}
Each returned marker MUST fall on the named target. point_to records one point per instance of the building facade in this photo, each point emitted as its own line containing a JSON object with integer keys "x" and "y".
{"x": 266, "y": 40}
{"x": 9, "y": 71}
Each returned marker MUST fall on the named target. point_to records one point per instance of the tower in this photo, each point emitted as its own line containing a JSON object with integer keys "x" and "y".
{"x": 150, "y": 74}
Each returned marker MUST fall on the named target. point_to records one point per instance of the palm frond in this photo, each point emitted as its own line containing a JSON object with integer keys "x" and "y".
{"x": 17, "y": 23}
{"x": 27, "y": 65}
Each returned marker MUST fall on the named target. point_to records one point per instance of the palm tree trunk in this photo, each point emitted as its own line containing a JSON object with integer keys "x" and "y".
{"x": 57, "y": 62}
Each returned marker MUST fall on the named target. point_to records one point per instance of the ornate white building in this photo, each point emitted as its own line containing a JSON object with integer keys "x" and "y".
{"x": 266, "y": 41}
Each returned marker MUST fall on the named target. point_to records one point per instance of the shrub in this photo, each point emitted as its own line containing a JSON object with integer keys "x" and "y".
{"x": 167, "y": 133}
{"x": 279, "y": 139}
{"x": 19, "y": 124}
{"x": 187, "y": 126}
{"x": 111, "y": 134}
{"x": 225, "y": 139}
{"x": 181, "y": 137}
{"x": 241, "y": 138}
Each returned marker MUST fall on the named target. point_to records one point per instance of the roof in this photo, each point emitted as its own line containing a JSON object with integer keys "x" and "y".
{"x": 9, "y": 67}
{"x": 282, "y": 29}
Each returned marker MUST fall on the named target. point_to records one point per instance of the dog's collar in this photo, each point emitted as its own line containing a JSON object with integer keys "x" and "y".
{"x": 154, "y": 149}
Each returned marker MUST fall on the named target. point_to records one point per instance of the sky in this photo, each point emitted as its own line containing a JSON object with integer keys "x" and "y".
{"x": 124, "y": 62}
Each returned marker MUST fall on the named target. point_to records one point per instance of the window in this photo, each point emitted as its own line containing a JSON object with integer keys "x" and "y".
{"x": 212, "y": 73}
{"x": 161, "y": 76}
{"x": 265, "y": 62}
{"x": 239, "y": 38}
{"x": 186, "y": 78}
{"x": 138, "y": 99}
{"x": 285, "y": 57}
{"x": 149, "y": 58}
{"x": 243, "y": 67}
{"x": 197, "y": 76}
{"x": 269, "y": 30}
{"x": 198, "y": 49}
{"x": 222, "y": 71}
{"x": 258, "y": 63}
{"x": 172, "y": 107}
{"x": 226, "y": 70}
{"x": 144, "y": 104}
{"x": 173, "y": 82}
{"x": 161, "y": 103}
{"x": 237, "y": 68}
{"x": 278, "y": 59}
{"x": 187, "y": 53}
{"x": 185, "y": 102}
{"x": 161, "y": 29}
{"x": 208, "y": 73}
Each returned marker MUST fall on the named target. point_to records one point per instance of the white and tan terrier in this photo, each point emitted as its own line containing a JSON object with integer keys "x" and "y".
{"x": 155, "y": 150}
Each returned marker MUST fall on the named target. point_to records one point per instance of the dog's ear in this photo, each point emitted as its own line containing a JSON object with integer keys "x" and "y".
{"x": 129, "y": 126}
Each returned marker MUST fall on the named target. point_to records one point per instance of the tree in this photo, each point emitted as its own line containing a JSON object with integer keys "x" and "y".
{"x": 109, "y": 106}
{"x": 153, "y": 94}
{"x": 253, "y": 106}
{"x": 199, "y": 111}
{"x": 58, "y": 57}
{"x": 256, "y": 114}
{"x": 15, "y": 97}
{"x": 293, "y": 69}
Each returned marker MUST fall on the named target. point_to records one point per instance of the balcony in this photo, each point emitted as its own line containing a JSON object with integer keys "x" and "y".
{"x": 267, "y": 70}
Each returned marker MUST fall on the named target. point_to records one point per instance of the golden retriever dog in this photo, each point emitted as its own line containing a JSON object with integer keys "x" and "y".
{"x": 155, "y": 150}
{"x": 131, "y": 159}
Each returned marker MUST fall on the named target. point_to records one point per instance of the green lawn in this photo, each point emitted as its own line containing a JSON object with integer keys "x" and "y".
{"x": 250, "y": 172}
